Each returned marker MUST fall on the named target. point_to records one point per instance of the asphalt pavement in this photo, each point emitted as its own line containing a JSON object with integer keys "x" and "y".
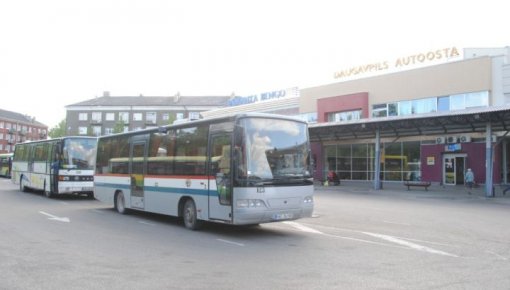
{"x": 434, "y": 191}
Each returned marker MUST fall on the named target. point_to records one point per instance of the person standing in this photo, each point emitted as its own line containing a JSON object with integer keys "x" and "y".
{"x": 469, "y": 178}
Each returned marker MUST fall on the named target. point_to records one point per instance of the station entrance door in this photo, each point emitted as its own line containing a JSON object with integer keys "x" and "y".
{"x": 454, "y": 167}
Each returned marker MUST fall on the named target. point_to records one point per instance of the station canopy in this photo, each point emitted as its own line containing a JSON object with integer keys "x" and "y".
{"x": 451, "y": 122}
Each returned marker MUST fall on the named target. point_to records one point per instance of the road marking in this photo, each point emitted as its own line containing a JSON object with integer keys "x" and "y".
{"x": 146, "y": 223}
{"x": 396, "y": 223}
{"x": 409, "y": 244}
{"x": 314, "y": 231}
{"x": 230, "y": 242}
{"x": 303, "y": 228}
{"x": 55, "y": 218}
{"x": 498, "y": 255}
{"x": 398, "y": 241}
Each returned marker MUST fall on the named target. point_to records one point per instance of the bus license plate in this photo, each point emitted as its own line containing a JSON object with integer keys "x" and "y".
{"x": 282, "y": 216}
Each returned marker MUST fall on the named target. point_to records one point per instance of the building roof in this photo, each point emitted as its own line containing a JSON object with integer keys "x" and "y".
{"x": 450, "y": 122}
{"x": 213, "y": 101}
{"x": 17, "y": 117}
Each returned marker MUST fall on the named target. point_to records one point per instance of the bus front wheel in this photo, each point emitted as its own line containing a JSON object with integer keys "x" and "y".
{"x": 120, "y": 203}
{"x": 47, "y": 191}
{"x": 190, "y": 215}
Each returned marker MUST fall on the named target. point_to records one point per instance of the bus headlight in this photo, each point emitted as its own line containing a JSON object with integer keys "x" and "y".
{"x": 245, "y": 203}
{"x": 308, "y": 199}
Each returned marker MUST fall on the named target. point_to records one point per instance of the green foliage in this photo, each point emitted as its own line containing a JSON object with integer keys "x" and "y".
{"x": 119, "y": 127}
{"x": 59, "y": 130}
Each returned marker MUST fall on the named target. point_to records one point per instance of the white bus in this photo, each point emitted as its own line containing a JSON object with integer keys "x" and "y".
{"x": 56, "y": 166}
{"x": 243, "y": 169}
{"x": 5, "y": 164}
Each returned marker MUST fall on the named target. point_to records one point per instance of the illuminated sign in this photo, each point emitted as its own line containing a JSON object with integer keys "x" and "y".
{"x": 453, "y": 147}
{"x": 401, "y": 62}
{"x": 267, "y": 96}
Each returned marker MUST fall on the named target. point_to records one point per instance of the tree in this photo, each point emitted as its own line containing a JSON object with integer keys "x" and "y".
{"x": 119, "y": 127}
{"x": 59, "y": 130}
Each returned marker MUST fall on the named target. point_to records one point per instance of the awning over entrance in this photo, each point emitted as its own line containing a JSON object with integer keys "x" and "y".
{"x": 464, "y": 121}
{"x": 485, "y": 120}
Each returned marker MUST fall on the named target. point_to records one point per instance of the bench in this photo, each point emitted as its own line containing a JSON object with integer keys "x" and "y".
{"x": 425, "y": 184}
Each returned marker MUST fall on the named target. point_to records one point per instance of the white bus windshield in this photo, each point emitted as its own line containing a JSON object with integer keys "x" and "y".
{"x": 274, "y": 149}
{"x": 79, "y": 154}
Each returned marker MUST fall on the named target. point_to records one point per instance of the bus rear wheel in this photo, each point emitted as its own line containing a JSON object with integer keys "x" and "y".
{"x": 190, "y": 216}
{"x": 22, "y": 186}
{"x": 120, "y": 203}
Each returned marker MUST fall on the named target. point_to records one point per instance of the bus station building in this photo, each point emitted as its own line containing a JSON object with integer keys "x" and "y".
{"x": 429, "y": 123}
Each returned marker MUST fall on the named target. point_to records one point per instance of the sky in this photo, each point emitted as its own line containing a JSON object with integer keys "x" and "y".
{"x": 55, "y": 53}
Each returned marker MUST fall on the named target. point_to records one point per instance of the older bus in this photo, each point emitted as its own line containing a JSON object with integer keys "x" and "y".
{"x": 5, "y": 164}
{"x": 56, "y": 166}
{"x": 240, "y": 170}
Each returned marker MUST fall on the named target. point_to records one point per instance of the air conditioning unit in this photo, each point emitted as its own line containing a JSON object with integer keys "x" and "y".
{"x": 451, "y": 139}
{"x": 440, "y": 140}
{"x": 464, "y": 138}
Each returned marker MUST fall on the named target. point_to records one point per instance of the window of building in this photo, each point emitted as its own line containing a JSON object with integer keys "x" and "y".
{"x": 126, "y": 129}
{"x": 457, "y": 102}
{"x": 422, "y": 106}
{"x": 405, "y": 108}
{"x": 308, "y": 117}
{"x": 2, "y": 136}
{"x": 82, "y": 130}
{"x": 344, "y": 116}
{"x": 434, "y": 104}
{"x": 443, "y": 104}
{"x": 124, "y": 116}
{"x": 150, "y": 117}
{"x": 108, "y": 131}
{"x": 96, "y": 130}
{"x": 137, "y": 117}
{"x": 399, "y": 161}
{"x": 379, "y": 110}
{"x": 83, "y": 116}
{"x": 194, "y": 115}
{"x": 393, "y": 109}
{"x": 165, "y": 116}
{"x": 97, "y": 117}
{"x": 2, "y": 124}
{"x": 477, "y": 99}
{"x": 110, "y": 117}
{"x": 179, "y": 116}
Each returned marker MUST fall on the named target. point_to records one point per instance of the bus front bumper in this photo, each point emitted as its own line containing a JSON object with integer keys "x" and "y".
{"x": 254, "y": 216}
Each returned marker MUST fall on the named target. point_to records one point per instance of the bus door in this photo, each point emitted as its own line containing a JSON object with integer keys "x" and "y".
{"x": 220, "y": 177}
{"x": 137, "y": 167}
{"x": 54, "y": 164}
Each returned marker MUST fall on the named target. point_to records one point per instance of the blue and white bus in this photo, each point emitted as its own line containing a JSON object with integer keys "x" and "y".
{"x": 56, "y": 166}
{"x": 241, "y": 170}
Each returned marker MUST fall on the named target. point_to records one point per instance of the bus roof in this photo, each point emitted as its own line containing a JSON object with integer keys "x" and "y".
{"x": 230, "y": 117}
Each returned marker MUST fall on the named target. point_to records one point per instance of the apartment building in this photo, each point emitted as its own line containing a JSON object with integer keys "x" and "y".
{"x": 16, "y": 128}
{"x": 114, "y": 114}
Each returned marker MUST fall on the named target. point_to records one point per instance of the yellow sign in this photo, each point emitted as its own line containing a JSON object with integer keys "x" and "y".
{"x": 401, "y": 62}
